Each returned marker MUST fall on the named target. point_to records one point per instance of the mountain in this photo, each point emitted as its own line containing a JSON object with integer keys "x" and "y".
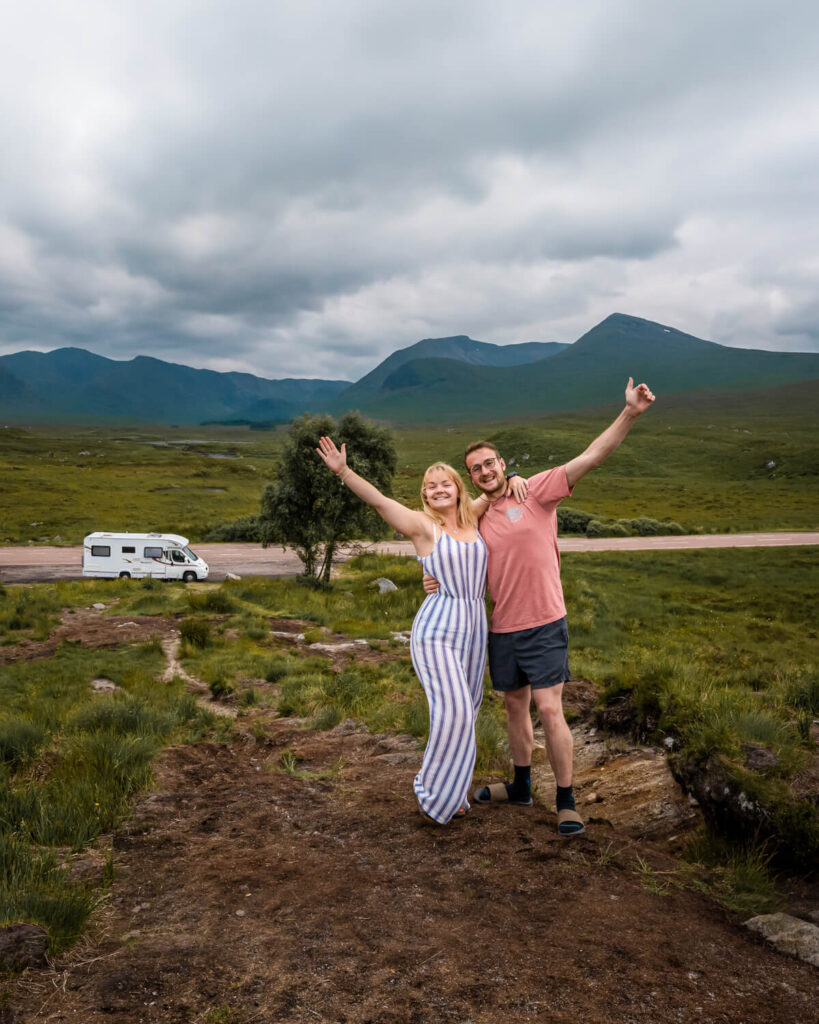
{"x": 590, "y": 372}
{"x": 71, "y": 384}
{"x": 436, "y": 380}
{"x": 459, "y": 348}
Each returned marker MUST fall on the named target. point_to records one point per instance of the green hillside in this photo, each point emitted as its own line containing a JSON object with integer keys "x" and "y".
{"x": 72, "y": 385}
{"x": 461, "y": 349}
{"x": 589, "y": 373}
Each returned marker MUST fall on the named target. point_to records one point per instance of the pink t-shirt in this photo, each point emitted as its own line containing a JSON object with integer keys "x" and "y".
{"x": 524, "y": 562}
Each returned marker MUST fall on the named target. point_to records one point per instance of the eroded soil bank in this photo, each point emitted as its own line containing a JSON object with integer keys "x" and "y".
{"x": 245, "y": 893}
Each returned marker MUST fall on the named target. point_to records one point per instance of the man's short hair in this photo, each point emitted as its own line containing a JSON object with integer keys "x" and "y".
{"x": 480, "y": 444}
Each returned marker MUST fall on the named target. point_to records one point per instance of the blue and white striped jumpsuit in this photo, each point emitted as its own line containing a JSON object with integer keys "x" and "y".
{"x": 448, "y": 648}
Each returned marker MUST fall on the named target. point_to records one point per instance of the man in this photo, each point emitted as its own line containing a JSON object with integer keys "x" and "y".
{"x": 528, "y": 639}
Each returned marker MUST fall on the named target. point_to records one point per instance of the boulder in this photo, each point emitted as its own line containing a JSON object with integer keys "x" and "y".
{"x": 384, "y": 585}
{"x": 789, "y": 935}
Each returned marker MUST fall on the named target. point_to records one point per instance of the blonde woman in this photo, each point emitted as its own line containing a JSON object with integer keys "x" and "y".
{"x": 448, "y": 644}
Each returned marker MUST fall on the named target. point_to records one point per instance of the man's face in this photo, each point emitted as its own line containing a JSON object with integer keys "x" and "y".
{"x": 487, "y": 470}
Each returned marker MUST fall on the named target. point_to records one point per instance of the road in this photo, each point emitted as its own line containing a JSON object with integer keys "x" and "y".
{"x": 46, "y": 564}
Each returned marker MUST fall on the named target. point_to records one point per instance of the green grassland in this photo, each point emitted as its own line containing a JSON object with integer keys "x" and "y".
{"x": 701, "y": 461}
{"x": 60, "y": 485}
{"x": 715, "y": 650}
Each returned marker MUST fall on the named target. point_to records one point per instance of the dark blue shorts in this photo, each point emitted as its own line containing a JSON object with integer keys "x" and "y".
{"x": 536, "y": 657}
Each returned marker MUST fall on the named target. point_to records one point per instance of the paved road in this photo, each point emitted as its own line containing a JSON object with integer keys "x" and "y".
{"x": 45, "y": 564}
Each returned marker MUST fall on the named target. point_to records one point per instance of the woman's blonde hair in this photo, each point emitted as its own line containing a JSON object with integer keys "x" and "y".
{"x": 464, "y": 514}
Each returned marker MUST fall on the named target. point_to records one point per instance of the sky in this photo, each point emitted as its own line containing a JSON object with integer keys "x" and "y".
{"x": 298, "y": 189}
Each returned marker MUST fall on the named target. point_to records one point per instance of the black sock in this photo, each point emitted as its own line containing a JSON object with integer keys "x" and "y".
{"x": 564, "y": 798}
{"x": 521, "y": 787}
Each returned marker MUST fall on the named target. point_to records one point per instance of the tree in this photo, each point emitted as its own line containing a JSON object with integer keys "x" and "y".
{"x": 308, "y": 507}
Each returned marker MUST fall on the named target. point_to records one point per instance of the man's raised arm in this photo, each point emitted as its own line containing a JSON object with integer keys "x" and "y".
{"x": 638, "y": 399}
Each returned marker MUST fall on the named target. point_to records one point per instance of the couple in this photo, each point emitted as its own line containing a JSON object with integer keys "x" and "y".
{"x": 509, "y": 537}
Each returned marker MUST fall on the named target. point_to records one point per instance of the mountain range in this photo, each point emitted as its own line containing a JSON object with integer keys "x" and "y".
{"x": 435, "y": 380}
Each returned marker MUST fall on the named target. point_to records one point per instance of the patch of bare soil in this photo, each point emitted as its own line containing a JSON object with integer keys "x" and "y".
{"x": 91, "y": 628}
{"x": 246, "y": 894}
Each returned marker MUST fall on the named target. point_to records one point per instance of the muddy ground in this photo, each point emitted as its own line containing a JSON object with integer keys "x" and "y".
{"x": 249, "y": 893}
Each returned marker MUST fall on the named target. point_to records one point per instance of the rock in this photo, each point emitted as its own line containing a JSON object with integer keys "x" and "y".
{"x": 401, "y": 636}
{"x": 349, "y": 727}
{"x": 102, "y": 685}
{"x": 346, "y": 645}
{"x": 789, "y": 935}
{"x": 384, "y": 585}
{"x": 758, "y": 758}
{"x": 99, "y": 606}
{"x": 399, "y": 758}
{"x": 23, "y": 945}
{"x": 770, "y": 464}
{"x": 232, "y": 576}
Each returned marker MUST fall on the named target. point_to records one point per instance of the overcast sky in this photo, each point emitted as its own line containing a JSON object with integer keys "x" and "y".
{"x": 300, "y": 188}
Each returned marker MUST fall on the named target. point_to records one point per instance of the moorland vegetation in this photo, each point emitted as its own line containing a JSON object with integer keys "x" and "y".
{"x": 710, "y": 654}
{"x": 708, "y": 463}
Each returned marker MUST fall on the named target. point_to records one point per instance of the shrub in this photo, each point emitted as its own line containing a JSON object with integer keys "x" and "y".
{"x": 19, "y": 740}
{"x": 195, "y": 631}
{"x": 606, "y": 528}
{"x": 210, "y": 601}
{"x": 241, "y": 531}
{"x": 573, "y": 520}
{"x": 278, "y": 670}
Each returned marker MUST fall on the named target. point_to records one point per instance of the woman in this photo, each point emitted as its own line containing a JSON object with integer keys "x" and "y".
{"x": 448, "y": 644}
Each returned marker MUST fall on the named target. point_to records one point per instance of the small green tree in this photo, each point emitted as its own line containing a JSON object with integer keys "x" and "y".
{"x": 308, "y": 507}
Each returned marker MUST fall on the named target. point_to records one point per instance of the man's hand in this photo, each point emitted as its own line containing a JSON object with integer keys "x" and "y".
{"x": 430, "y": 584}
{"x": 638, "y": 399}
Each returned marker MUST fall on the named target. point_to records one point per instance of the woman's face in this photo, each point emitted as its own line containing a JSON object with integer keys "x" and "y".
{"x": 441, "y": 490}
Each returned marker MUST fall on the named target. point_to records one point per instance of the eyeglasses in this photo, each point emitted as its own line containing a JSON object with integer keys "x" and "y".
{"x": 486, "y": 464}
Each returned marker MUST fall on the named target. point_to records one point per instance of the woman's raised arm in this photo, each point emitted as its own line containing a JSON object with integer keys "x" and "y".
{"x": 411, "y": 523}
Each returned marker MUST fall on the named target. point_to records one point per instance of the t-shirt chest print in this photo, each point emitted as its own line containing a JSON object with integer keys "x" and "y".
{"x": 514, "y": 513}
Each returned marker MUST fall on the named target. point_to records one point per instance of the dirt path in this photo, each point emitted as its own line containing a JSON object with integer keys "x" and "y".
{"x": 287, "y": 877}
{"x": 43, "y": 564}
{"x": 246, "y": 894}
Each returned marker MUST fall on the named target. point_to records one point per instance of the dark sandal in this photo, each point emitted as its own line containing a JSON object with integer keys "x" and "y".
{"x": 498, "y": 793}
{"x": 569, "y": 823}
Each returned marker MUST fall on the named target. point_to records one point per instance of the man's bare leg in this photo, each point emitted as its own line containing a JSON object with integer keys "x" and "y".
{"x": 560, "y": 748}
{"x": 519, "y": 724}
{"x": 559, "y": 741}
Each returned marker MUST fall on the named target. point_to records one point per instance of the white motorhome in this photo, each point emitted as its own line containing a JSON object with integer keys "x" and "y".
{"x": 165, "y": 556}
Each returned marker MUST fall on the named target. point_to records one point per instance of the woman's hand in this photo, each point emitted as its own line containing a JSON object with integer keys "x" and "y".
{"x": 518, "y": 488}
{"x": 333, "y": 458}
{"x": 430, "y": 584}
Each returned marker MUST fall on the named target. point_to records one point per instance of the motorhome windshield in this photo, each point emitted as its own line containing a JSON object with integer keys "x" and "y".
{"x": 191, "y": 555}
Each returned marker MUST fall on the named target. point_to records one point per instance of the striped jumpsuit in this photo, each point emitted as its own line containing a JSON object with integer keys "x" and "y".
{"x": 448, "y": 648}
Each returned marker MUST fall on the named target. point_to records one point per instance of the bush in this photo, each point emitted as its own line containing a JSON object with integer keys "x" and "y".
{"x": 195, "y": 631}
{"x": 241, "y": 531}
{"x": 19, "y": 740}
{"x": 210, "y": 601}
{"x": 278, "y": 670}
{"x": 606, "y": 528}
{"x": 573, "y": 520}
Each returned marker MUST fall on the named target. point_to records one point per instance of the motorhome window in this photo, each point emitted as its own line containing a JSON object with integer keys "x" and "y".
{"x": 191, "y": 555}
{"x": 128, "y": 551}
{"x": 101, "y": 550}
{"x": 177, "y": 555}
{"x": 152, "y": 553}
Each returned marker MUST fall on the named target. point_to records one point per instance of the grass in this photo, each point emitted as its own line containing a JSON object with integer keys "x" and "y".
{"x": 69, "y": 763}
{"x": 703, "y": 462}
{"x": 715, "y": 649}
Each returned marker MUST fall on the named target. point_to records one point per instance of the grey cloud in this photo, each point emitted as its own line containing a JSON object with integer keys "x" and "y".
{"x": 284, "y": 184}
